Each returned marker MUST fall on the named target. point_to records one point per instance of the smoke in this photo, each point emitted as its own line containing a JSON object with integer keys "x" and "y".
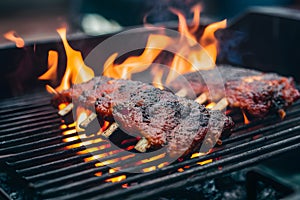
{"x": 158, "y": 11}
{"x": 231, "y": 46}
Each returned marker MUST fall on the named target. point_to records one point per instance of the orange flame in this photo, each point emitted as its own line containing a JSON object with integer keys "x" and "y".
{"x": 105, "y": 126}
{"x": 196, "y": 20}
{"x": 81, "y": 114}
{"x": 52, "y": 66}
{"x": 183, "y": 27}
{"x": 246, "y": 120}
{"x": 208, "y": 39}
{"x": 189, "y": 57}
{"x": 51, "y": 90}
{"x": 76, "y": 70}
{"x": 158, "y": 74}
{"x": 14, "y": 37}
{"x": 136, "y": 64}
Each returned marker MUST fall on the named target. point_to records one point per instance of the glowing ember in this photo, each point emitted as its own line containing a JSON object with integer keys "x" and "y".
{"x": 62, "y": 106}
{"x": 105, "y": 126}
{"x": 210, "y": 105}
{"x": 161, "y": 165}
{"x": 95, "y": 157}
{"x": 89, "y": 150}
{"x": 70, "y": 139}
{"x": 68, "y": 132}
{"x": 116, "y": 179}
{"x": 98, "y": 174}
{"x": 194, "y": 155}
{"x": 205, "y": 162}
{"x": 107, "y": 162}
{"x": 153, "y": 158}
{"x": 14, "y": 37}
{"x": 113, "y": 170}
{"x": 152, "y": 168}
{"x": 188, "y": 57}
{"x": 149, "y": 169}
{"x": 130, "y": 148}
{"x": 63, "y": 126}
{"x": 180, "y": 170}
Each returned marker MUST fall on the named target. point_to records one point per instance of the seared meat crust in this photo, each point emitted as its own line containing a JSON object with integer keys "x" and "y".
{"x": 143, "y": 110}
{"x": 255, "y": 92}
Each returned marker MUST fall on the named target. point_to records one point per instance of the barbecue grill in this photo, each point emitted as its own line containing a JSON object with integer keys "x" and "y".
{"x": 34, "y": 153}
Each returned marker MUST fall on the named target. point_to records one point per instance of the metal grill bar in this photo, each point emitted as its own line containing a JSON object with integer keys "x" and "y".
{"x": 47, "y": 166}
{"x": 22, "y": 133}
{"x": 170, "y": 178}
{"x": 228, "y": 169}
{"x": 234, "y": 149}
{"x": 33, "y": 113}
{"x": 22, "y": 108}
{"x": 39, "y": 151}
{"x": 30, "y": 132}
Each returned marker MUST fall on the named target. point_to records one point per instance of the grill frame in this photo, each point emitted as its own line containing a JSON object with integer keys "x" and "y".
{"x": 66, "y": 173}
{"x": 34, "y": 104}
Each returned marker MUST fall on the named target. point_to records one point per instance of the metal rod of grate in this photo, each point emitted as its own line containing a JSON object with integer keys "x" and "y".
{"x": 31, "y": 137}
{"x": 213, "y": 155}
{"x": 232, "y": 160}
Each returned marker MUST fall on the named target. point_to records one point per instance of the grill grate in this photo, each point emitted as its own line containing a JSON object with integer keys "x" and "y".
{"x": 32, "y": 150}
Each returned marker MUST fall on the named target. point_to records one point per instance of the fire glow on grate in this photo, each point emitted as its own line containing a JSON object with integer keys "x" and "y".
{"x": 77, "y": 72}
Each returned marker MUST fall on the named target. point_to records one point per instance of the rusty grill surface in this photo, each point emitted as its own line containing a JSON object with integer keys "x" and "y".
{"x": 32, "y": 151}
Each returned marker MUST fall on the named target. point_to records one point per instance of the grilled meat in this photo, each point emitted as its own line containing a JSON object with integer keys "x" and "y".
{"x": 255, "y": 92}
{"x": 143, "y": 110}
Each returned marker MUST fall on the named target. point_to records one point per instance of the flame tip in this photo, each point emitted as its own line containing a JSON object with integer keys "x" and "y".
{"x": 14, "y": 37}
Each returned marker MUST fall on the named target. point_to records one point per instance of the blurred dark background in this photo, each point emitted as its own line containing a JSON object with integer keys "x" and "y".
{"x": 264, "y": 38}
{"x": 33, "y": 19}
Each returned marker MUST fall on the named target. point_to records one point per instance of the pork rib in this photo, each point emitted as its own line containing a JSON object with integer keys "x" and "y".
{"x": 143, "y": 110}
{"x": 255, "y": 92}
